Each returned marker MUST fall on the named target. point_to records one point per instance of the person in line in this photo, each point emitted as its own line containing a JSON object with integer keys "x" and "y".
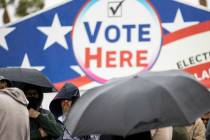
{"x": 43, "y": 125}
{"x": 60, "y": 107}
{"x": 197, "y": 130}
{"x": 14, "y": 115}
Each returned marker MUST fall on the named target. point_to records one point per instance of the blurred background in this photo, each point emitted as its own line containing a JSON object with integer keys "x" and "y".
{"x": 12, "y": 10}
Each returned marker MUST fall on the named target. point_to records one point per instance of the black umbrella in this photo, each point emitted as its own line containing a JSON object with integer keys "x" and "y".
{"x": 20, "y": 77}
{"x": 134, "y": 104}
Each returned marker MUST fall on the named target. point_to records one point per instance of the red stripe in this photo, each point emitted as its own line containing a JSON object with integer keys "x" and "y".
{"x": 183, "y": 33}
{"x": 80, "y": 81}
{"x": 198, "y": 70}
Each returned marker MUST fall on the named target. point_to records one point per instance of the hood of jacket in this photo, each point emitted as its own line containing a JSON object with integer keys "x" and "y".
{"x": 16, "y": 94}
{"x": 67, "y": 92}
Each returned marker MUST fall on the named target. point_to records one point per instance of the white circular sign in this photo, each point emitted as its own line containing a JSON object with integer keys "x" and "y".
{"x": 116, "y": 38}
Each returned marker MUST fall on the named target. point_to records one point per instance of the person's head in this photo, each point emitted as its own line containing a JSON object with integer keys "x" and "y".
{"x": 4, "y": 83}
{"x": 72, "y": 95}
{"x": 205, "y": 117}
{"x": 34, "y": 96}
{"x": 64, "y": 100}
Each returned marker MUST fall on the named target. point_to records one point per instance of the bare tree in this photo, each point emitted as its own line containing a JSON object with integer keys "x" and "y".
{"x": 24, "y": 7}
{"x": 6, "y": 18}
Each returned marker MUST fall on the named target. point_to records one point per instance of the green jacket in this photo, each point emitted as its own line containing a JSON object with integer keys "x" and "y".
{"x": 46, "y": 121}
{"x": 180, "y": 133}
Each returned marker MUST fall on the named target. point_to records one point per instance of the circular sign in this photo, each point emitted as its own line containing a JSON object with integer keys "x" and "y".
{"x": 116, "y": 38}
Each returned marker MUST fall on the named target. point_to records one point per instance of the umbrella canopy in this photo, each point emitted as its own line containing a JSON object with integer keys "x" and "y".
{"x": 134, "y": 104}
{"x": 22, "y": 76}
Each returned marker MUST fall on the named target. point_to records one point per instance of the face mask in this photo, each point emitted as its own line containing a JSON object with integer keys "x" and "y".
{"x": 33, "y": 103}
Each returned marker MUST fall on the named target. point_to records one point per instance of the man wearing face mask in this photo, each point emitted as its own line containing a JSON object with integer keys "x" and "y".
{"x": 43, "y": 125}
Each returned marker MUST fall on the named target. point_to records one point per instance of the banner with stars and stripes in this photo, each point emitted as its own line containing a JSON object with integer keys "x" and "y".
{"x": 88, "y": 42}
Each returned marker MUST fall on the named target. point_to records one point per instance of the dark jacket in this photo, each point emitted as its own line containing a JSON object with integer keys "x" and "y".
{"x": 46, "y": 121}
{"x": 208, "y": 131}
{"x": 180, "y": 133}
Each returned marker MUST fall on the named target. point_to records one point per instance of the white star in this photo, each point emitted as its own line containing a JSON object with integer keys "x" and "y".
{"x": 55, "y": 33}
{"x": 77, "y": 69}
{"x": 3, "y": 33}
{"x": 178, "y": 23}
{"x": 26, "y": 64}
